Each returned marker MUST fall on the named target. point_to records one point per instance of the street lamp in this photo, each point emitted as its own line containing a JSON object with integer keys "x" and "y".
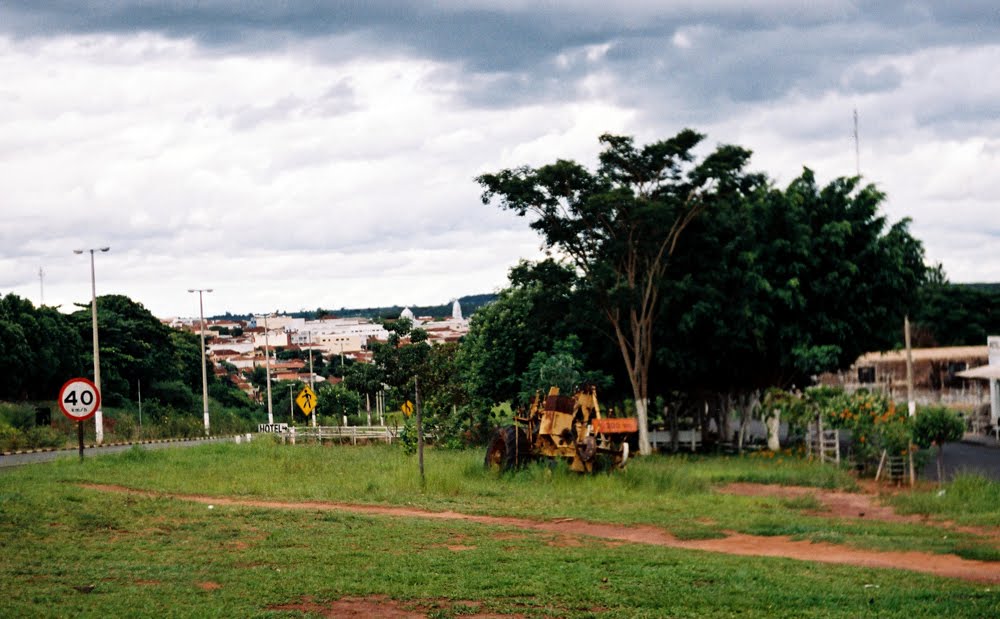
{"x": 204, "y": 369}
{"x": 267, "y": 364}
{"x": 98, "y": 416}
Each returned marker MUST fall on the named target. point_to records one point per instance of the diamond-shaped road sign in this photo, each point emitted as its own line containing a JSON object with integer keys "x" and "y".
{"x": 306, "y": 400}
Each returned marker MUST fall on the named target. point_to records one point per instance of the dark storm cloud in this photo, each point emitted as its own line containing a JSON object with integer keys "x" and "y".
{"x": 750, "y": 52}
{"x": 706, "y": 56}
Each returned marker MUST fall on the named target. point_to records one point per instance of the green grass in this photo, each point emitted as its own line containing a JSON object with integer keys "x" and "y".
{"x": 970, "y": 499}
{"x": 670, "y": 492}
{"x": 182, "y": 559}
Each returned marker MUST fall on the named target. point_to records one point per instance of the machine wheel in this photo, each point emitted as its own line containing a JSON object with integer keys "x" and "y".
{"x": 508, "y": 449}
{"x": 587, "y": 449}
{"x": 622, "y": 457}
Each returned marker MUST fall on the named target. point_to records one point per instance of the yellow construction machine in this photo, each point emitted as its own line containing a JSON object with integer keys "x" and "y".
{"x": 567, "y": 427}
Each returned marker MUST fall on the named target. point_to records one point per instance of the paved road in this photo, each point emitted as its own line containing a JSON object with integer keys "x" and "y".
{"x": 958, "y": 457}
{"x": 966, "y": 457}
{"x": 12, "y": 460}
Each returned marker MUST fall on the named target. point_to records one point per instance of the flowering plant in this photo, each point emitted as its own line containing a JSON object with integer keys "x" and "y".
{"x": 874, "y": 420}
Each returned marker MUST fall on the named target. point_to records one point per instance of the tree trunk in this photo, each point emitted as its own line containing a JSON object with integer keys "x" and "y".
{"x": 725, "y": 408}
{"x": 641, "y": 408}
{"x": 774, "y": 430}
{"x": 673, "y": 426}
{"x": 940, "y": 463}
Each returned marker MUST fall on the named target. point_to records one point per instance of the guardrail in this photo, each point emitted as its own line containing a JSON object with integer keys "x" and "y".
{"x": 686, "y": 439}
{"x": 340, "y": 434}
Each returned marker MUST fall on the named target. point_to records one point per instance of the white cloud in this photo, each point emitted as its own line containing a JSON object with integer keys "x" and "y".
{"x": 311, "y": 165}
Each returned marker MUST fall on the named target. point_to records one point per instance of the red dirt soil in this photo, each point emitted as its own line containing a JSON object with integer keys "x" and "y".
{"x": 387, "y": 608}
{"x": 949, "y": 566}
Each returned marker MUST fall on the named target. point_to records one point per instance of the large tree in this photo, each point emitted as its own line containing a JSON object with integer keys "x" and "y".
{"x": 786, "y": 285}
{"x": 137, "y": 348}
{"x": 621, "y": 224}
{"x": 951, "y": 314}
{"x": 537, "y": 309}
{"x": 39, "y": 349}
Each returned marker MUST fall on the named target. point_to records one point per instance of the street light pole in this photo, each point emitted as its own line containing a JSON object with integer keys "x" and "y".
{"x": 204, "y": 361}
{"x": 311, "y": 375}
{"x": 99, "y": 415}
{"x": 267, "y": 365}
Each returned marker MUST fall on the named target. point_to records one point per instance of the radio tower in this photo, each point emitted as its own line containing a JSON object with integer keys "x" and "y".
{"x": 857, "y": 148}
{"x": 41, "y": 285}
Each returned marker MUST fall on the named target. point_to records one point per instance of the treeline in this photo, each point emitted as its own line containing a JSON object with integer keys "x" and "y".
{"x": 949, "y": 314}
{"x": 469, "y": 303}
{"x": 686, "y": 284}
{"x": 141, "y": 358}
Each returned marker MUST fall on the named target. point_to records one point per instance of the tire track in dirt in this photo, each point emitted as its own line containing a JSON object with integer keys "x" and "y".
{"x": 949, "y": 566}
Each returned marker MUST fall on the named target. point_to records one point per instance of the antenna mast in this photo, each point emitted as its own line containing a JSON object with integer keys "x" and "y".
{"x": 857, "y": 148}
{"x": 41, "y": 285}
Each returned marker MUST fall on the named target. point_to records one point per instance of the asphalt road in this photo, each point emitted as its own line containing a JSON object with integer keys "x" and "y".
{"x": 958, "y": 457}
{"x": 965, "y": 457}
{"x": 12, "y": 460}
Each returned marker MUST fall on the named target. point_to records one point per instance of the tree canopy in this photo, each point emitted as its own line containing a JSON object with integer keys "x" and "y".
{"x": 709, "y": 279}
{"x": 785, "y": 285}
{"x": 620, "y": 225}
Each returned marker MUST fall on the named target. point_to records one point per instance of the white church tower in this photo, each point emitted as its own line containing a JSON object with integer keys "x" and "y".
{"x": 456, "y": 311}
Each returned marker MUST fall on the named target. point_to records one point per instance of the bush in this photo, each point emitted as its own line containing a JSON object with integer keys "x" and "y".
{"x": 11, "y": 438}
{"x": 874, "y": 421}
{"x": 173, "y": 393}
{"x": 19, "y": 416}
{"x": 45, "y": 436}
{"x": 935, "y": 425}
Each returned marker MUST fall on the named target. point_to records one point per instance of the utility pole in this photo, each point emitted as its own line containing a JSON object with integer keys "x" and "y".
{"x": 267, "y": 365}
{"x": 857, "y": 146}
{"x": 910, "y": 403}
{"x": 315, "y": 413}
{"x": 99, "y": 415}
{"x": 420, "y": 429}
{"x": 204, "y": 359}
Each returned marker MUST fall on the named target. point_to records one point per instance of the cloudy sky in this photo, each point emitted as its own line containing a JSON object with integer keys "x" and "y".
{"x": 322, "y": 154}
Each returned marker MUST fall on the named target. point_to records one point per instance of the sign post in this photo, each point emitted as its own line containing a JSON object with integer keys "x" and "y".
{"x": 420, "y": 429}
{"x": 79, "y": 399}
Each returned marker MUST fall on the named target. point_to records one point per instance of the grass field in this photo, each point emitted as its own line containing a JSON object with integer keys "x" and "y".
{"x": 72, "y": 551}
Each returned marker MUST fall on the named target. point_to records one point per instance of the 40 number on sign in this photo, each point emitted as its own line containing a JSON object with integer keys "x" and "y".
{"x": 79, "y": 399}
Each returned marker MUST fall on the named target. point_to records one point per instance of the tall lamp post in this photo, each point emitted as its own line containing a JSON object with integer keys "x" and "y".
{"x": 204, "y": 369}
{"x": 98, "y": 416}
{"x": 267, "y": 364}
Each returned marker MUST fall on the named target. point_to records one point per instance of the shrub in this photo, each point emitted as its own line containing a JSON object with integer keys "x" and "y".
{"x": 936, "y": 425}
{"x": 11, "y": 438}
{"x": 874, "y": 420}
{"x": 45, "y": 436}
{"x": 19, "y": 416}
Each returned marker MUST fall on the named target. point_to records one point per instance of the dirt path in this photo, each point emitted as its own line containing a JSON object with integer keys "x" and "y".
{"x": 949, "y": 566}
{"x": 851, "y": 505}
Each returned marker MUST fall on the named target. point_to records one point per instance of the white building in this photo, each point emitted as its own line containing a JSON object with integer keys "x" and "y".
{"x": 272, "y": 338}
{"x": 336, "y": 335}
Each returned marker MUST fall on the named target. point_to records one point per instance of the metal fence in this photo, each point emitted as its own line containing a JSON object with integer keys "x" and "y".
{"x": 340, "y": 434}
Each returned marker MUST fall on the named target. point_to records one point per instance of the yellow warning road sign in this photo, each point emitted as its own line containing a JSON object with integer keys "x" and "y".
{"x": 306, "y": 400}
{"x": 407, "y": 408}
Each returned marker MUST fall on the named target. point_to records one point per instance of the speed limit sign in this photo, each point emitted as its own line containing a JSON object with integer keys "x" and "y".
{"x": 79, "y": 399}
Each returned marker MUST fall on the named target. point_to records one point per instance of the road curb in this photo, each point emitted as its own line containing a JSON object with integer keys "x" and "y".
{"x": 20, "y": 452}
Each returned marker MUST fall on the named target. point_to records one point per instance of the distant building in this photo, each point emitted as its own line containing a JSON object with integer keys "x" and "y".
{"x": 935, "y": 374}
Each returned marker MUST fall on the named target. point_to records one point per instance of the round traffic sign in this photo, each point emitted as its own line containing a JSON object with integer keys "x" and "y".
{"x": 79, "y": 399}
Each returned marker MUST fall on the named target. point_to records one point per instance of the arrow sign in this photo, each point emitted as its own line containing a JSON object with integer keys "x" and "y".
{"x": 407, "y": 408}
{"x": 306, "y": 400}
